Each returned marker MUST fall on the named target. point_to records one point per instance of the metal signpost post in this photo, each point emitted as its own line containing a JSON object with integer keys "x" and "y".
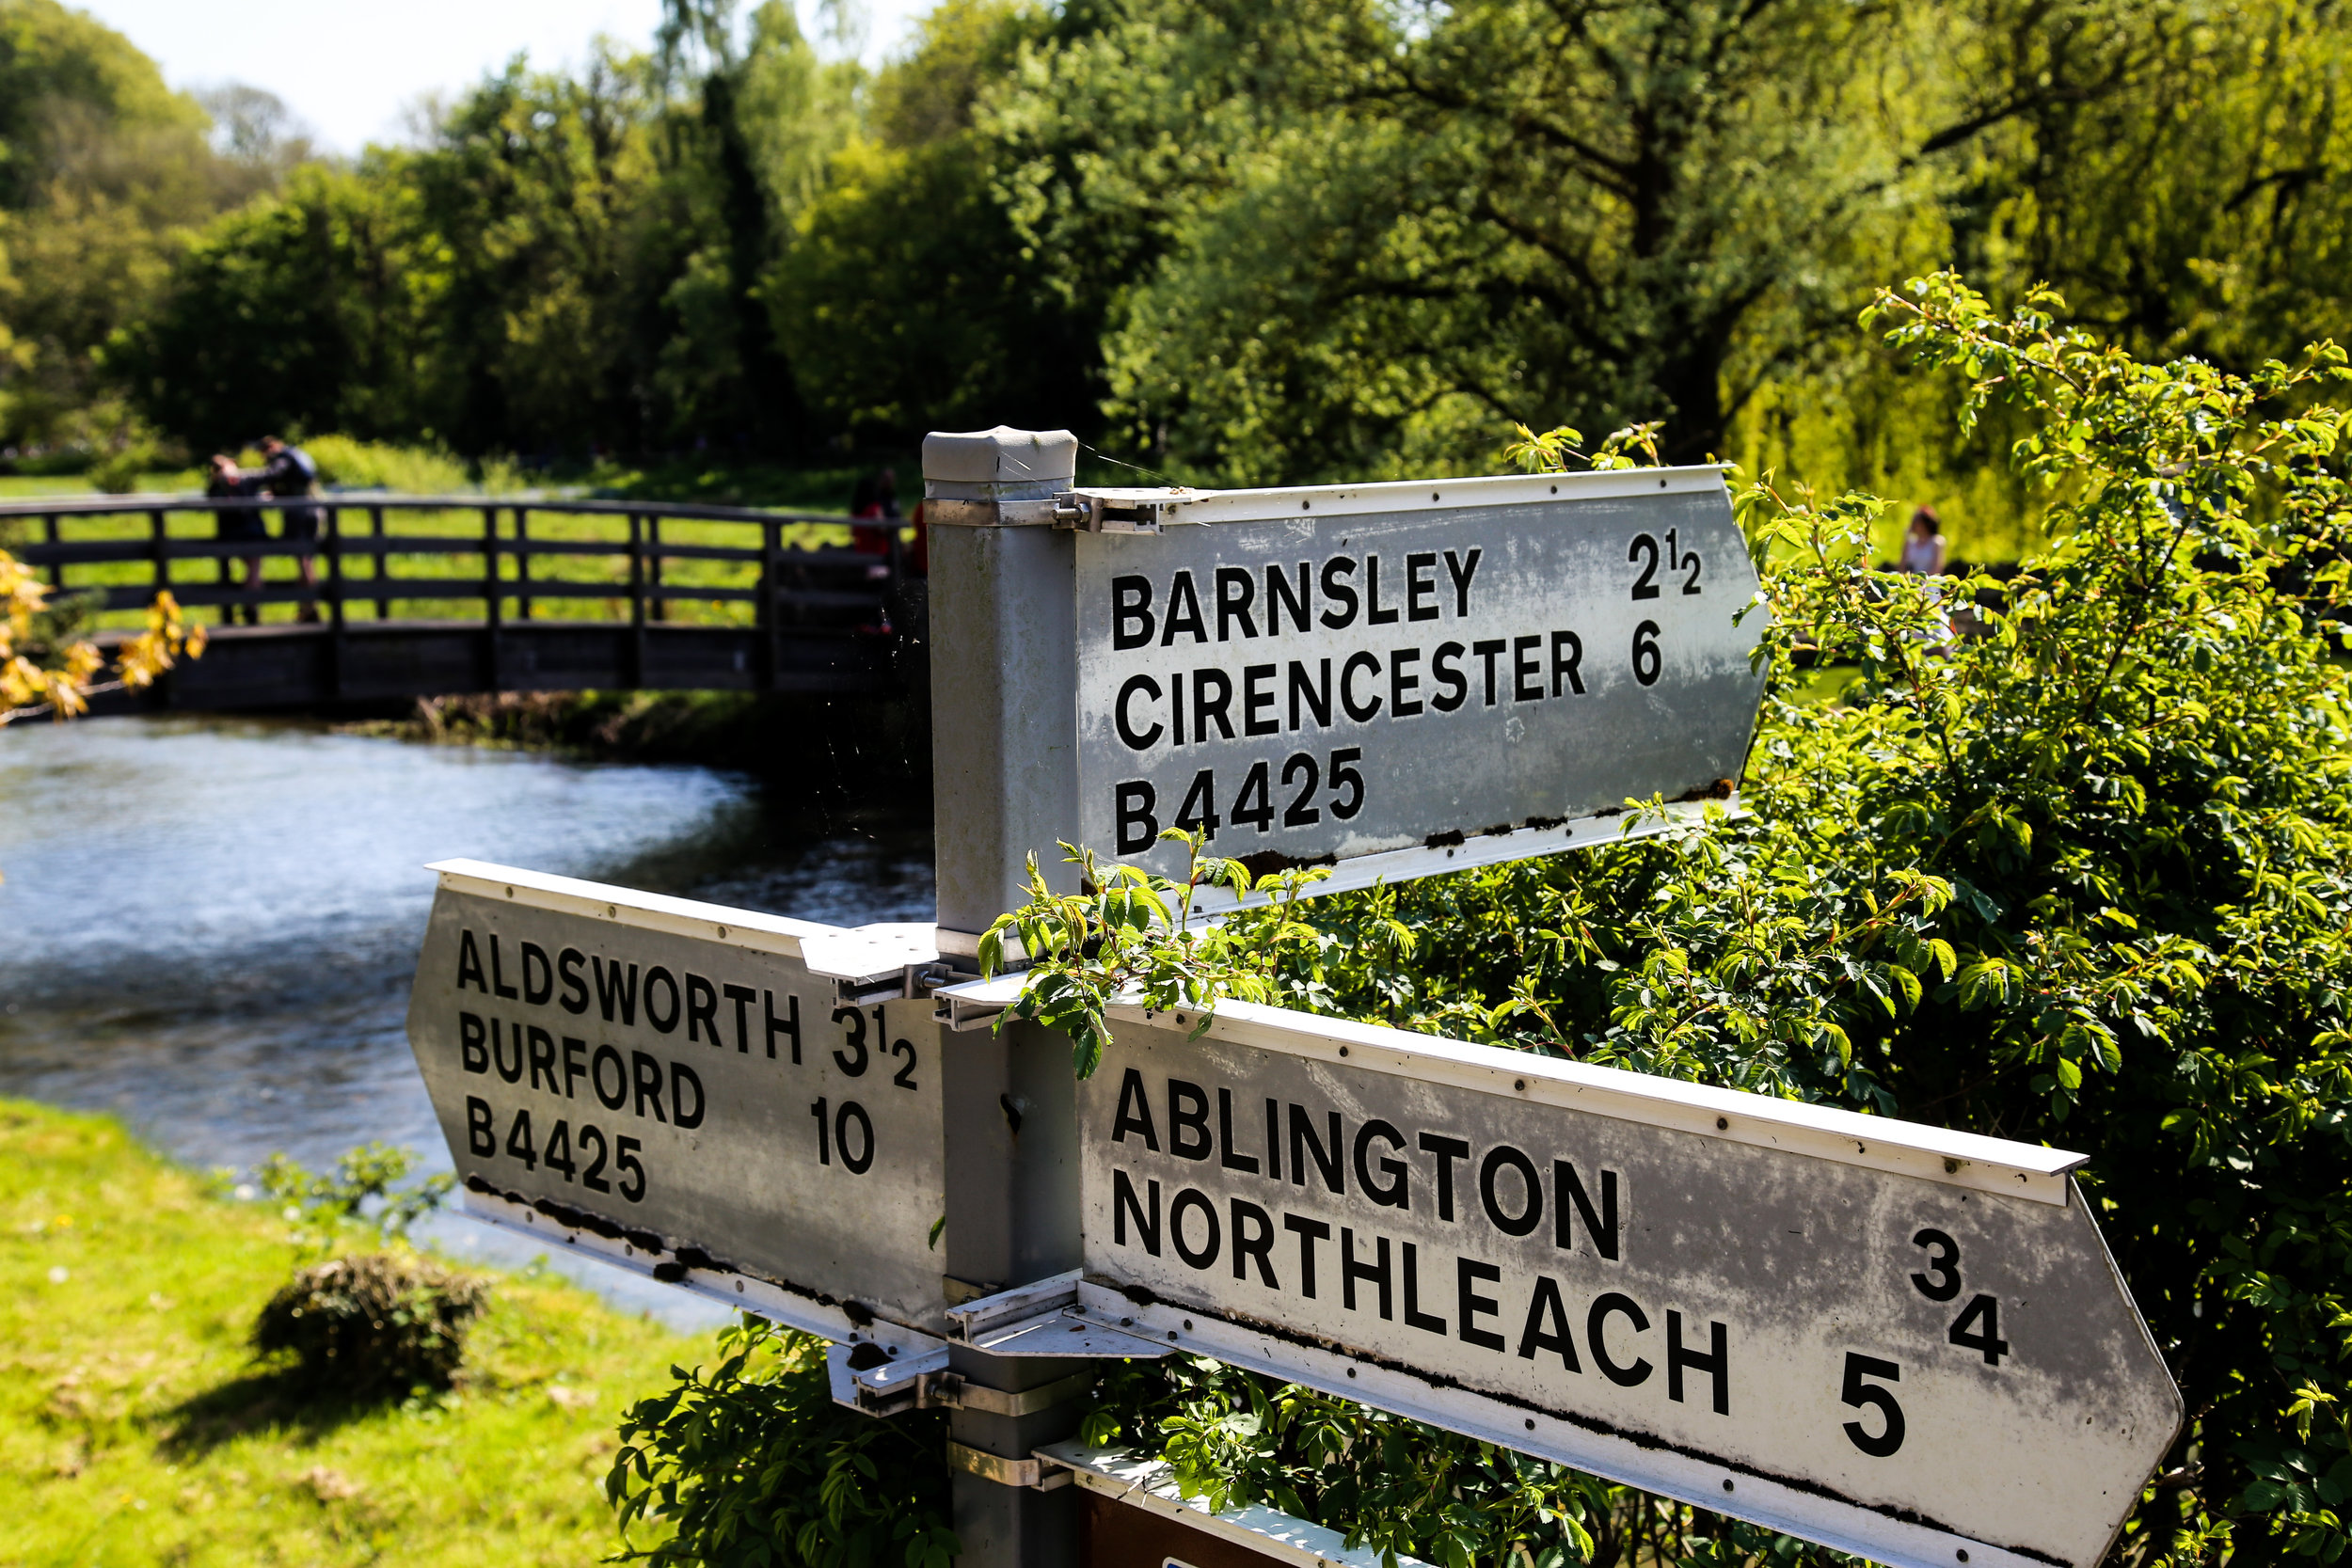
{"x": 1900, "y": 1341}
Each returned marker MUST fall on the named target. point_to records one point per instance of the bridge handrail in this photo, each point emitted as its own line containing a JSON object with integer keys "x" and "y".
{"x": 74, "y": 506}
{"x": 796, "y": 586}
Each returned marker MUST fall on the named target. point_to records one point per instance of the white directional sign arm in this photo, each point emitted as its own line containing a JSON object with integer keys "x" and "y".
{"x": 742, "y": 1102}
{"x": 1899, "y": 1341}
{"x": 1428, "y": 676}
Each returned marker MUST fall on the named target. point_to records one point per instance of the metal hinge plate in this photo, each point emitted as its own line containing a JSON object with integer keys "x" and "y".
{"x": 1141, "y": 511}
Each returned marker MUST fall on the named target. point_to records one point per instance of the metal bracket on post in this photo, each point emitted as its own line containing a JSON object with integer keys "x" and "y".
{"x": 1140, "y": 511}
{"x": 1044, "y": 1319}
{"x": 974, "y": 1004}
{"x": 924, "y": 1383}
{"x": 1038, "y": 1474}
{"x": 883, "y": 1390}
{"x": 871, "y": 964}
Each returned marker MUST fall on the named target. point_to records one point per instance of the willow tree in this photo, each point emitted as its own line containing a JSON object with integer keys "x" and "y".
{"x": 1355, "y": 235}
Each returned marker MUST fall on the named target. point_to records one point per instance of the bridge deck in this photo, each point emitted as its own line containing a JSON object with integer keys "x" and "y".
{"x": 310, "y": 666}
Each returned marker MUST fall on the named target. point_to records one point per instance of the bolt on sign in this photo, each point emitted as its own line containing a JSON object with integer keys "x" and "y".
{"x": 739, "y": 1103}
{"x": 1895, "y": 1340}
{"x": 1319, "y": 675}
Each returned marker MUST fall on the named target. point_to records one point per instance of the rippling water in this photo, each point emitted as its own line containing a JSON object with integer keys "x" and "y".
{"x": 211, "y": 926}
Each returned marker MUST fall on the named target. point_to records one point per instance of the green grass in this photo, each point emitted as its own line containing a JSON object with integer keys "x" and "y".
{"x": 135, "y": 1427}
{"x": 33, "y": 487}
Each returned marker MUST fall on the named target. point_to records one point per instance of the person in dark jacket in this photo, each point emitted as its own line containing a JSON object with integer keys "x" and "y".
{"x": 288, "y": 473}
{"x": 224, "y": 479}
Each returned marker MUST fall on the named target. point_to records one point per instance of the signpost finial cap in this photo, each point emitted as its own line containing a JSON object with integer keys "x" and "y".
{"x": 999, "y": 465}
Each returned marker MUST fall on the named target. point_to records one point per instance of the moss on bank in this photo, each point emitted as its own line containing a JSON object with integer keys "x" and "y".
{"x": 137, "y": 1427}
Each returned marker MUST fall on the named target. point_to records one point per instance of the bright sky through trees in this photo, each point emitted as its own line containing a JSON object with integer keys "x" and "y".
{"x": 348, "y": 68}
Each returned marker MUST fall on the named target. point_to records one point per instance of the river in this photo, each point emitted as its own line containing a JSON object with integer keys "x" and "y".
{"x": 209, "y": 927}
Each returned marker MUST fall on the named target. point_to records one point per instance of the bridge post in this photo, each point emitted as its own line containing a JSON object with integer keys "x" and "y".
{"x": 770, "y": 543}
{"x": 522, "y": 564}
{"x": 159, "y": 550}
{"x": 659, "y": 605}
{"x": 490, "y": 597}
{"x": 335, "y": 602}
{"x": 375, "y": 531}
{"x": 636, "y": 601}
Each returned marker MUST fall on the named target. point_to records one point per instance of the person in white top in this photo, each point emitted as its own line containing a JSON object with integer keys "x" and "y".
{"x": 1923, "y": 547}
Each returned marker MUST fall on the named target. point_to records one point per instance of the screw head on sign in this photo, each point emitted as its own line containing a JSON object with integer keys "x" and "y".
{"x": 1723, "y": 1124}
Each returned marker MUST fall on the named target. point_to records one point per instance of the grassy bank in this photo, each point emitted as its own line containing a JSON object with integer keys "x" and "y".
{"x": 136, "y": 1428}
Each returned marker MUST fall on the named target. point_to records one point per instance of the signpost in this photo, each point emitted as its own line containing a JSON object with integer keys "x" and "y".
{"x": 1895, "y": 1340}
{"x": 735, "y": 1102}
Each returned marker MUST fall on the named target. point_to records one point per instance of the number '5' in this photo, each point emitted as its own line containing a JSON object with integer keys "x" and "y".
{"x": 1860, "y": 1395}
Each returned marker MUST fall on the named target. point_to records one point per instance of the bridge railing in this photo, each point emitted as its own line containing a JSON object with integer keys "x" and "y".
{"x": 465, "y": 557}
{"x": 434, "y": 594}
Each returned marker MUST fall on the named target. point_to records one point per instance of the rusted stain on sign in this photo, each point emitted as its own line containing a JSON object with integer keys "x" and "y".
{"x": 1897, "y": 1340}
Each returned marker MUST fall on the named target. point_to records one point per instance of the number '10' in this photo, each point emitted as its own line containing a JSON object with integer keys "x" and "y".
{"x": 846, "y": 1132}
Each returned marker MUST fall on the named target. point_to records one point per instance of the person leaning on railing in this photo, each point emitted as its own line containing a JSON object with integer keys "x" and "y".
{"x": 222, "y": 478}
{"x": 290, "y": 473}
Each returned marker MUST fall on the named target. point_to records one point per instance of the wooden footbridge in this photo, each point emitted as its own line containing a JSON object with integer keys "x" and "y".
{"x": 432, "y": 596}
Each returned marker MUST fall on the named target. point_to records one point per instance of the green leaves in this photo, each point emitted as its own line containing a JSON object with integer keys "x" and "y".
{"x": 1132, "y": 939}
{"x": 361, "y": 1195}
{"x": 754, "y": 1464}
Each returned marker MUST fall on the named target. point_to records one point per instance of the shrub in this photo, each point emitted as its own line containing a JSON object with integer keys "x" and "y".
{"x": 377, "y": 1323}
{"x": 376, "y": 465}
{"x": 755, "y": 1464}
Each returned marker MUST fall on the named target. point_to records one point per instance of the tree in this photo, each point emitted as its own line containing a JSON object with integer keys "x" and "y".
{"x": 907, "y": 297}
{"x": 314, "y": 307}
{"x": 1341, "y": 236}
{"x": 102, "y": 171}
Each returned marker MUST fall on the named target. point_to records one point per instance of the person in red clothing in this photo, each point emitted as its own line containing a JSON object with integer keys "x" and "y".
{"x": 875, "y": 501}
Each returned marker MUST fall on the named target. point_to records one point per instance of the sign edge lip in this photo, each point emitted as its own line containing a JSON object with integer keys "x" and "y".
{"x": 1821, "y": 1132}
{"x": 1282, "y": 502}
{"x": 687, "y": 918}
